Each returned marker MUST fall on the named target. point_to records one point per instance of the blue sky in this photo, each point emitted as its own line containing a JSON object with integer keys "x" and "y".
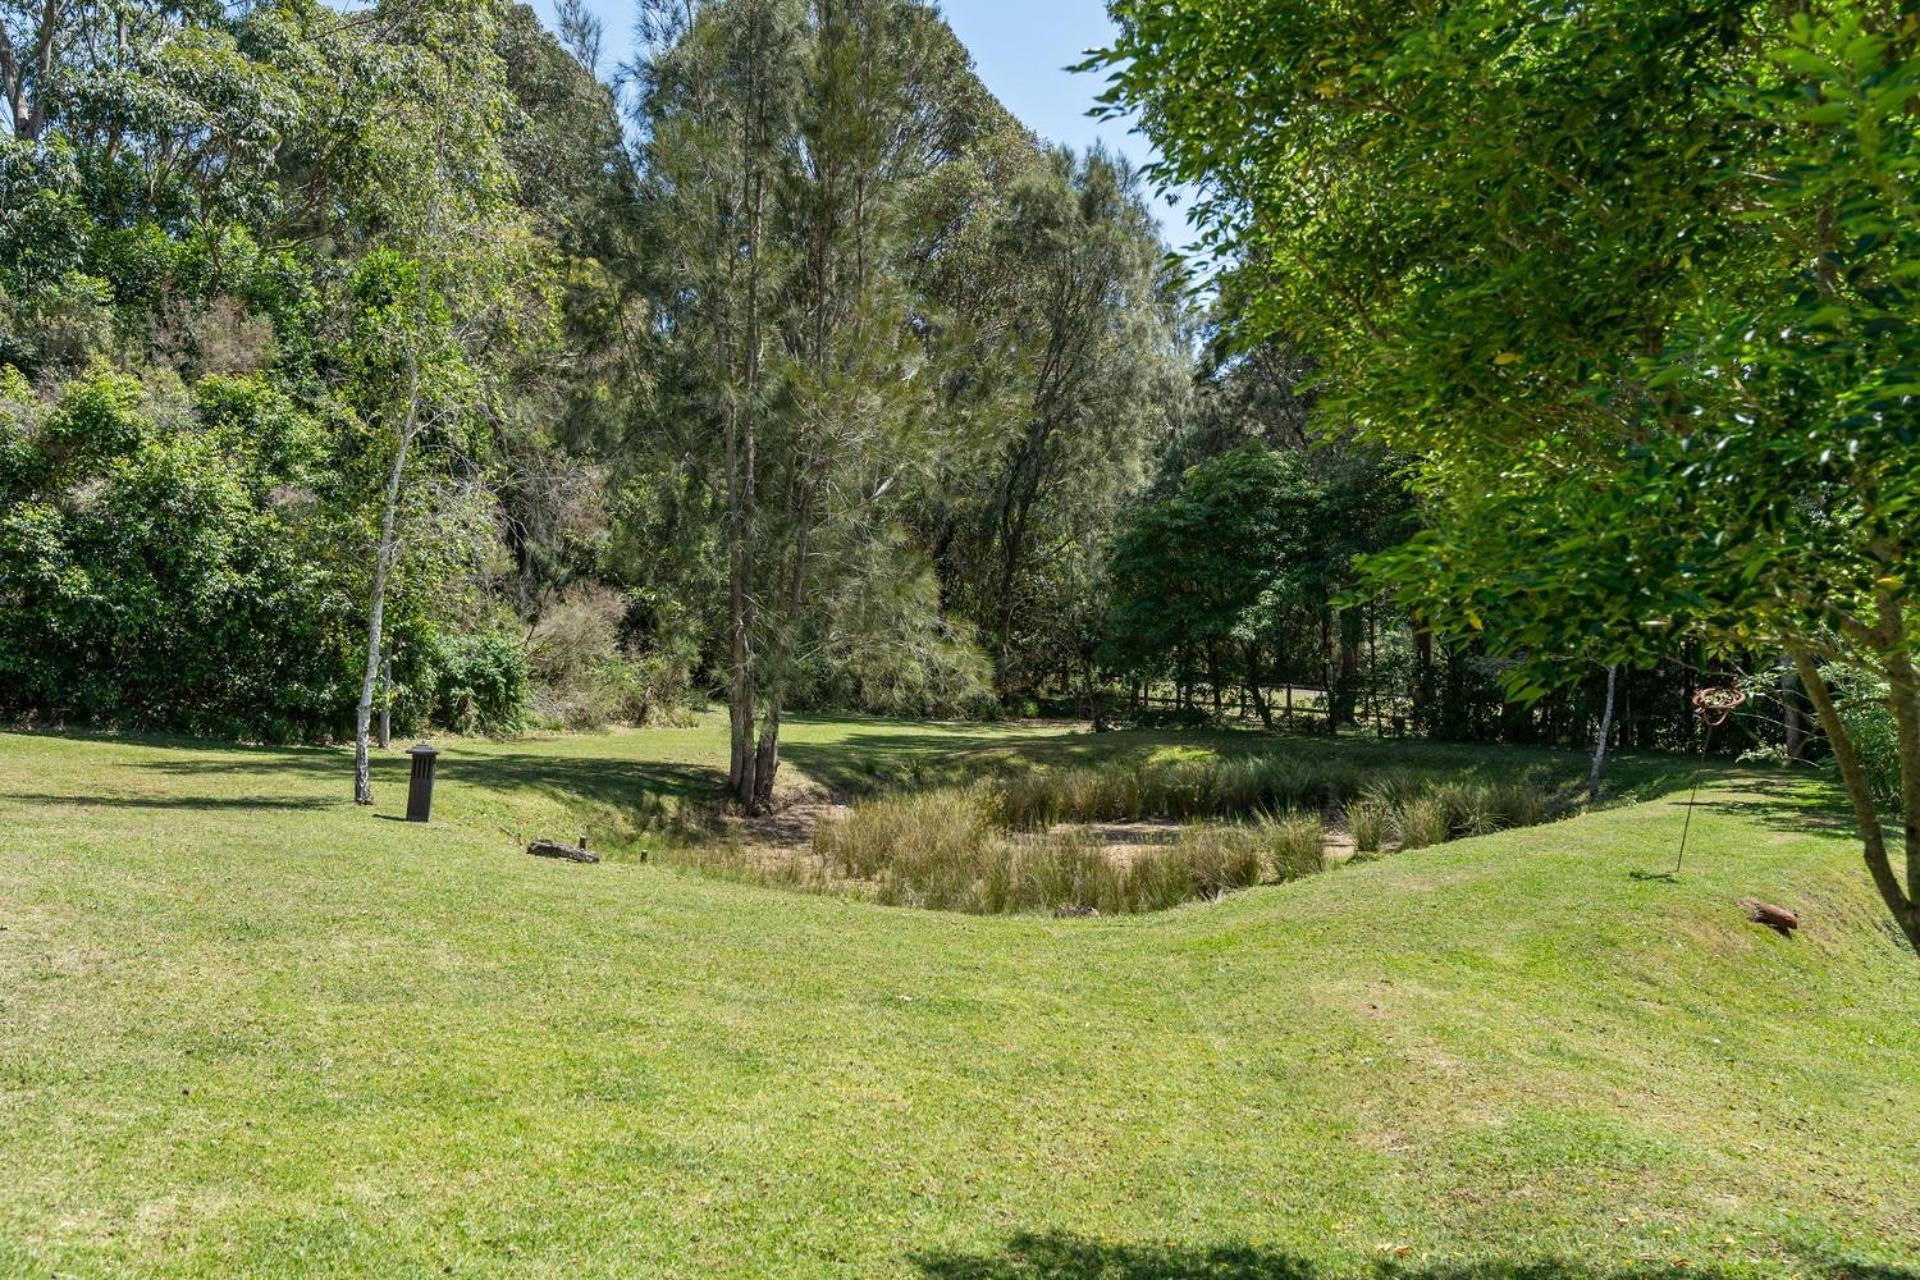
{"x": 1021, "y": 49}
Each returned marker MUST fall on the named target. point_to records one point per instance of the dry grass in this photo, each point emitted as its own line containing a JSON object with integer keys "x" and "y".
{"x": 945, "y": 850}
{"x": 1018, "y": 843}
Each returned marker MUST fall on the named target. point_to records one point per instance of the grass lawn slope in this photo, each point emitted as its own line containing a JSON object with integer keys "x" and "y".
{"x": 249, "y": 1029}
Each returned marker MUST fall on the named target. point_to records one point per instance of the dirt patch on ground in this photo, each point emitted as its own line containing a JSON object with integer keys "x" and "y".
{"x": 782, "y": 836}
{"x": 1122, "y": 842}
{"x": 788, "y": 825}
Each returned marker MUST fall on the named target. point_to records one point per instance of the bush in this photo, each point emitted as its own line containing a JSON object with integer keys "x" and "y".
{"x": 584, "y": 678}
{"x": 480, "y": 684}
{"x": 148, "y": 580}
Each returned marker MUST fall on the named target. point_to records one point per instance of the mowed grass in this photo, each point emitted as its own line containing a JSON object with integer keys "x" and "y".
{"x": 249, "y": 1029}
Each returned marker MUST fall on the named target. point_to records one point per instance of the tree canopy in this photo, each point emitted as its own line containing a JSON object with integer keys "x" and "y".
{"x": 1631, "y": 283}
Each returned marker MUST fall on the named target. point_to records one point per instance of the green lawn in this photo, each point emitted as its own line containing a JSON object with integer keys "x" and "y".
{"x": 249, "y": 1029}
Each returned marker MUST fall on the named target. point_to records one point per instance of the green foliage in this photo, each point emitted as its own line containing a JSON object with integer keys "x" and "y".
{"x": 1565, "y": 262}
{"x": 1861, "y": 699}
{"x": 585, "y": 676}
{"x": 480, "y": 683}
{"x": 1214, "y": 561}
{"x": 1055, "y": 343}
{"x": 1249, "y": 557}
{"x": 242, "y": 254}
{"x": 150, "y": 580}
{"x": 1635, "y": 287}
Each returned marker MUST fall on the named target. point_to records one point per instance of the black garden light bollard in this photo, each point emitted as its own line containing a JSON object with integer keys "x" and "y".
{"x": 420, "y": 787}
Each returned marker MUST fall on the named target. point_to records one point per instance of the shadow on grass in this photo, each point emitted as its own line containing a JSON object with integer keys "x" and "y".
{"x": 1793, "y": 802}
{"x": 878, "y": 759}
{"x": 885, "y": 756}
{"x": 649, "y": 796}
{"x": 205, "y": 803}
{"x": 1058, "y": 1256}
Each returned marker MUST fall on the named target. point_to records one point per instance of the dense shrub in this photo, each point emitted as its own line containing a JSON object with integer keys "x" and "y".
{"x": 480, "y": 684}
{"x": 584, "y": 676}
{"x": 154, "y": 573}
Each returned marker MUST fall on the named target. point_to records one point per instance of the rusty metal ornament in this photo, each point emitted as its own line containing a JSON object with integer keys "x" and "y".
{"x": 1716, "y": 704}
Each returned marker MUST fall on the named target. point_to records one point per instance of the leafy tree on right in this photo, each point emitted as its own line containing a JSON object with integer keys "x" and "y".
{"x": 1632, "y": 282}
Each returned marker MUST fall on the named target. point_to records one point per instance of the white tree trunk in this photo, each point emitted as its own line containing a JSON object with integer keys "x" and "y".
{"x": 376, "y": 614}
{"x": 1600, "y": 744}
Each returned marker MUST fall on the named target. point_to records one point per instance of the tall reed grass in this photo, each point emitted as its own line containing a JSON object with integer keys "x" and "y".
{"x": 1182, "y": 790}
{"x": 940, "y": 850}
{"x": 1016, "y": 845}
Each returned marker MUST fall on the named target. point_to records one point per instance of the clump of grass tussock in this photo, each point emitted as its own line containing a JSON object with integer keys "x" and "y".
{"x": 1368, "y": 819}
{"x": 1221, "y": 858}
{"x": 1296, "y": 844}
{"x": 1453, "y": 809}
{"x": 1388, "y": 789}
{"x": 1420, "y": 821}
{"x": 947, "y": 850}
{"x": 1181, "y": 789}
{"x": 935, "y": 830}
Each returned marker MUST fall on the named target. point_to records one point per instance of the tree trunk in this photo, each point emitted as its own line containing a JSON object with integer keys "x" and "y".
{"x": 376, "y": 614}
{"x": 1213, "y": 673}
{"x": 741, "y": 360}
{"x": 1600, "y": 743}
{"x": 766, "y": 762}
{"x": 1873, "y": 838}
{"x": 386, "y": 701}
{"x": 1904, "y": 698}
{"x": 1790, "y": 713}
{"x": 1373, "y": 666}
{"x": 1422, "y": 676}
{"x": 1349, "y": 678}
{"x": 1253, "y": 687}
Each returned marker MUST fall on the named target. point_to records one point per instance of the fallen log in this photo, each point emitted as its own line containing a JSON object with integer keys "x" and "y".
{"x": 1778, "y": 919}
{"x": 565, "y": 852}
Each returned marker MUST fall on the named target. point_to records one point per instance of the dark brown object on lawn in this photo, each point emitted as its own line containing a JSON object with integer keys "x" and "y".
{"x": 420, "y": 783}
{"x": 1778, "y": 919}
{"x": 565, "y": 852}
